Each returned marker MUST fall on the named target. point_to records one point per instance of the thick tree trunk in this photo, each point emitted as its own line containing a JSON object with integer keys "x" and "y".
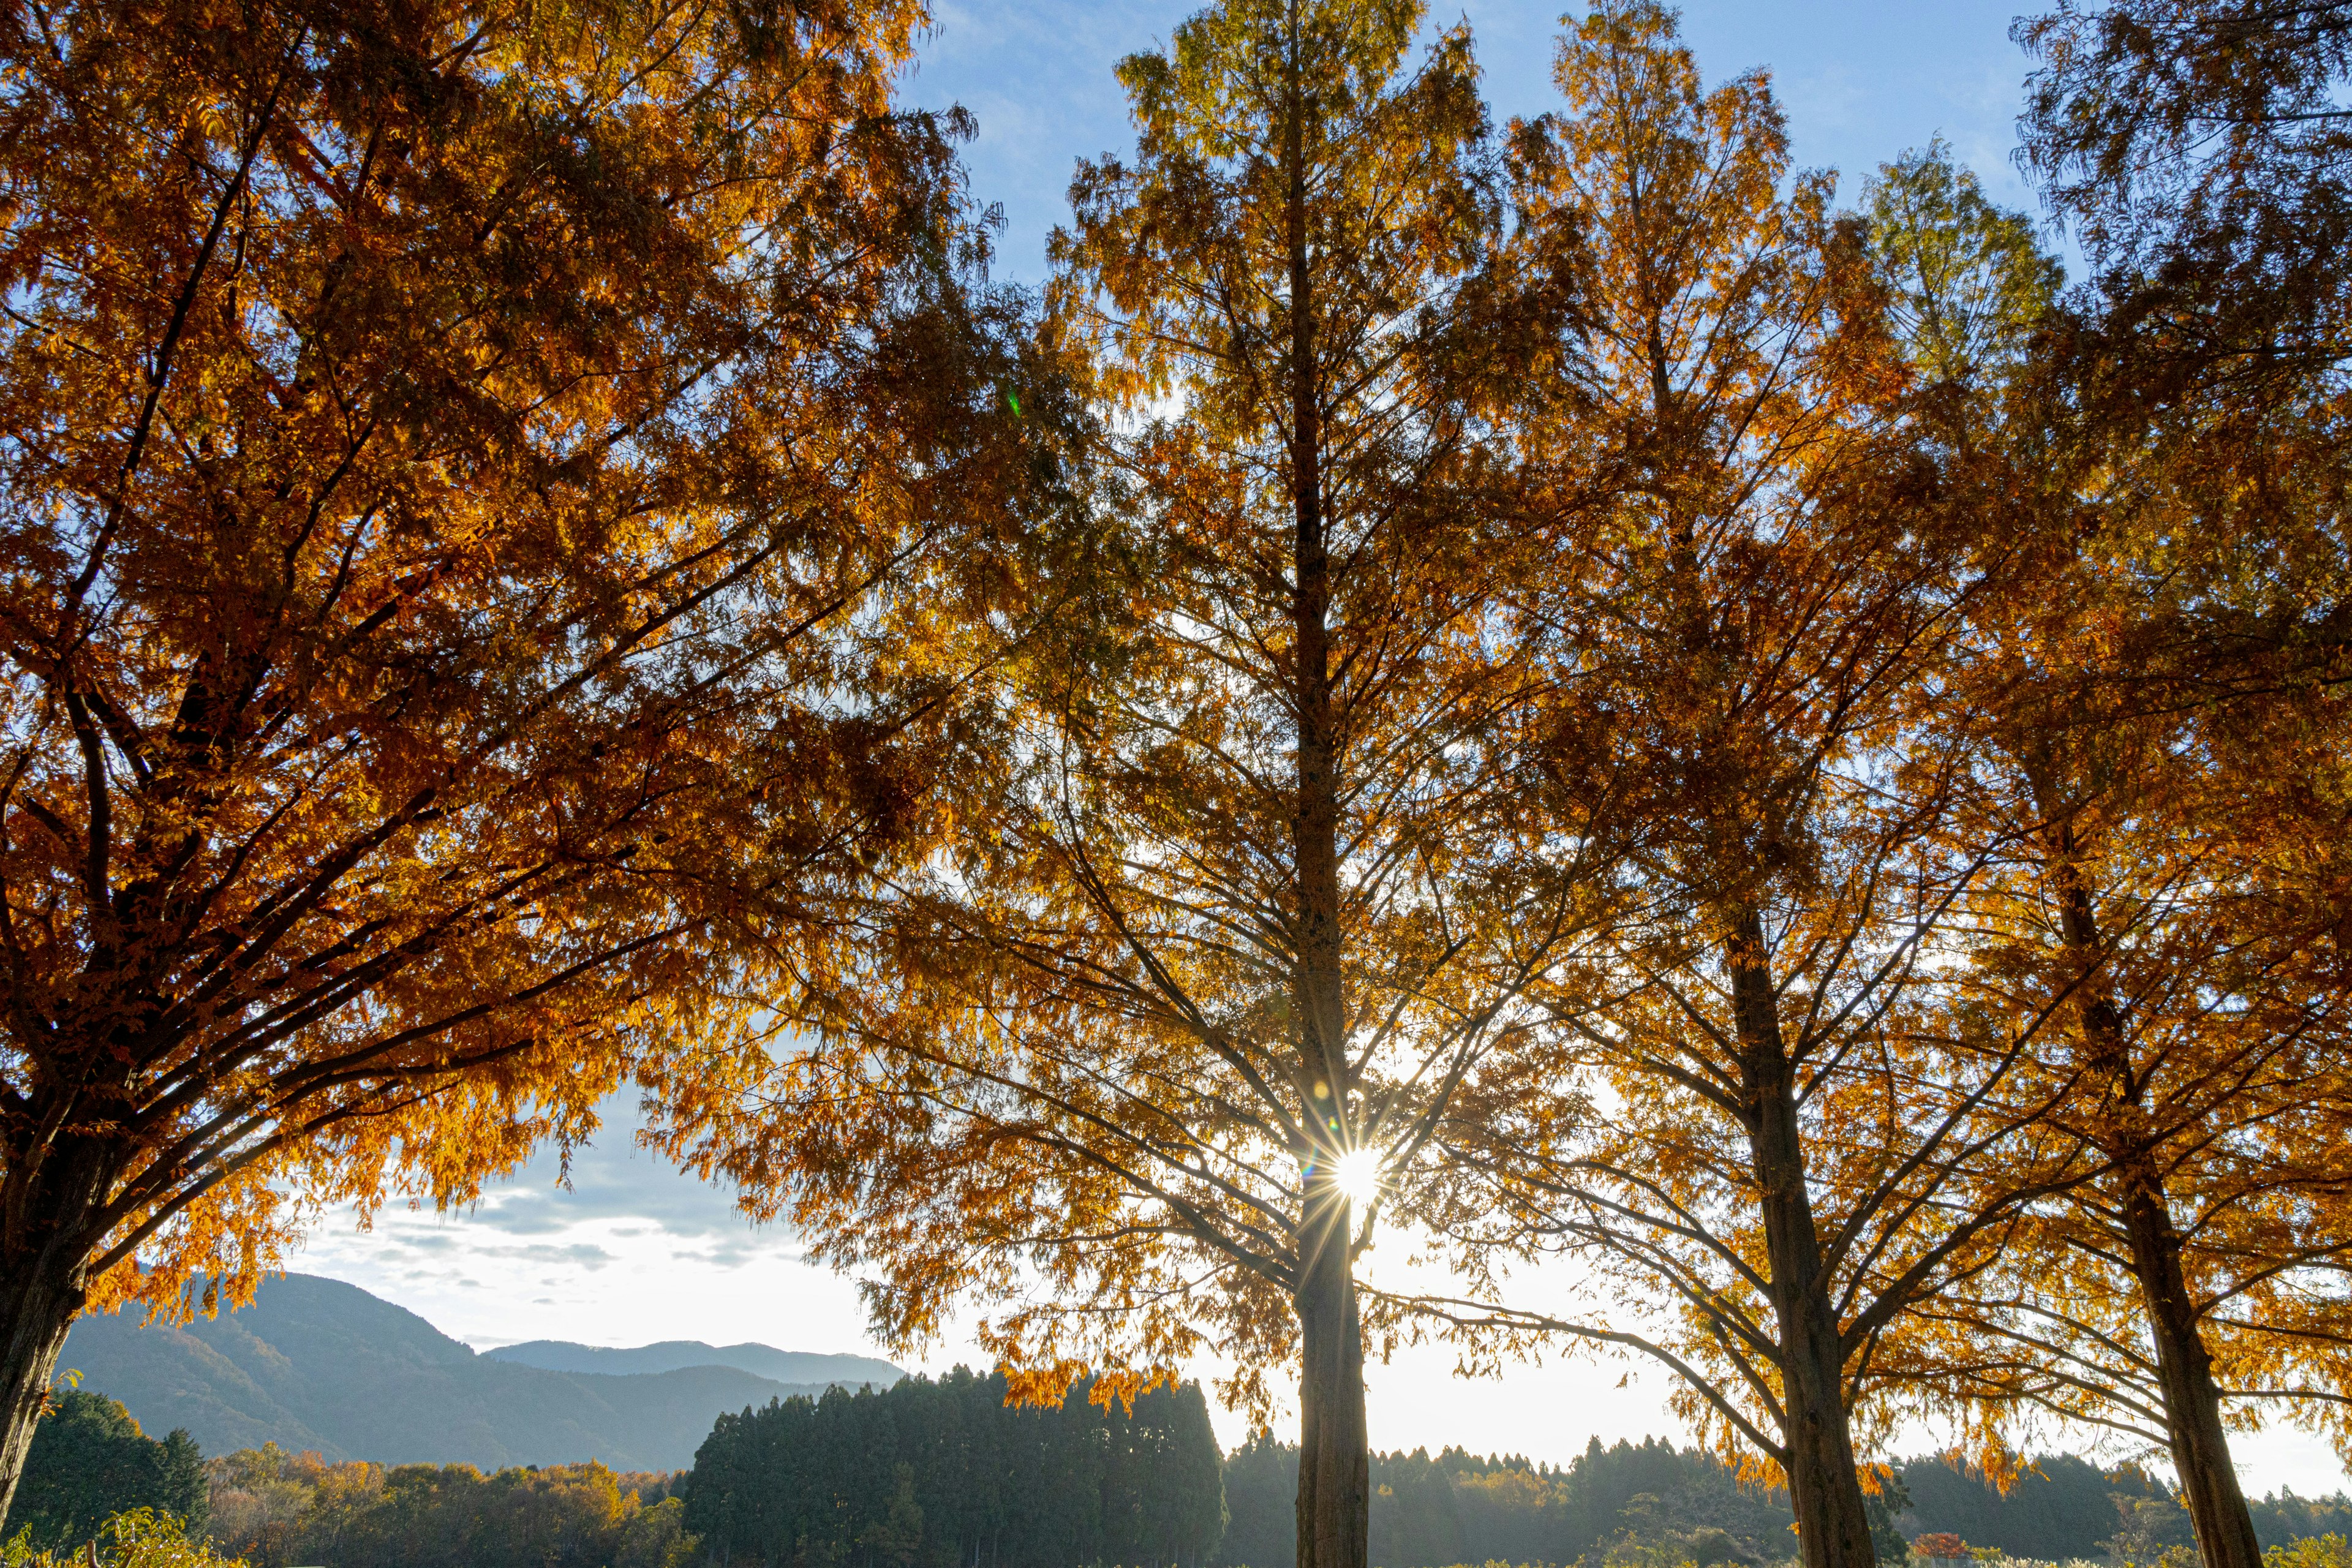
{"x": 1825, "y": 1491}
{"x": 35, "y": 1310}
{"x": 2184, "y": 1367}
{"x": 45, "y": 1207}
{"x": 1335, "y": 1490}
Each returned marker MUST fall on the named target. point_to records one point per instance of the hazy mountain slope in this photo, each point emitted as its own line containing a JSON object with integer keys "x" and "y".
{"x": 762, "y": 1360}
{"x": 317, "y": 1363}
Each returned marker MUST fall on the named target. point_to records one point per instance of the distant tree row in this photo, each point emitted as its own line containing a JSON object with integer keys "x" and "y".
{"x": 1633, "y": 1502}
{"x": 1466, "y": 1508}
{"x": 945, "y": 1473}
{"x": 2059, "y": 1507}
{"x": 271, "y": 1507}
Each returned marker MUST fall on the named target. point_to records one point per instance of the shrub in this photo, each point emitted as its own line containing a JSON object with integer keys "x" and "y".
{"x": 143, "y": 1538}
{"x": 2312, "y": 1551}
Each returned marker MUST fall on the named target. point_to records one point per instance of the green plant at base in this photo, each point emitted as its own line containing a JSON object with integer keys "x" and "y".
{"x": 2312, "y": 1551}
{"x": 141, "y": 1537}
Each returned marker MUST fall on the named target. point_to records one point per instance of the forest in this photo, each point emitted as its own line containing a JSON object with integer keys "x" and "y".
{"x": 940, "y": 1475}
{"x": 945, "y": 1473}
{"x": 1751, "y": 768}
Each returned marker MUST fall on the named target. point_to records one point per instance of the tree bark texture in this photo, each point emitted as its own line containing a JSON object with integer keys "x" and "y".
{"x": 47, "y": 1200}
{"x": 2184, "y": 1367}
{"x": 1825, "y": 1491}
{"x": 1334, "y": 1489}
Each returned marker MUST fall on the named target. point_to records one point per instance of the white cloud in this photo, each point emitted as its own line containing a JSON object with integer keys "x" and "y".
{"x": 636, "y": 1251}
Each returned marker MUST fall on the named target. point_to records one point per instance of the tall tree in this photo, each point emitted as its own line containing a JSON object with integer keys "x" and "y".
{"x": 1749, "y": 1123}
{"x": 2161, "y": 729}
{"x": 450, "y": 454}
{"x": 2199, "y": 149}
{"x": 1240, "y": 893}
{"x": 2158, "y": 707}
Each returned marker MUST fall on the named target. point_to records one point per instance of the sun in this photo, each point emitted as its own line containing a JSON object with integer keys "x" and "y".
{"x": 1356, "y": 1175}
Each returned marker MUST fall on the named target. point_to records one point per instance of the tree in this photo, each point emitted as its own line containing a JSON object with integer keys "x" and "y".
{"x": 1239, "y": 892}
{"x": 2162, "y": 736}
{"x": 452, "y": 454}
{"x": 89, "y": 1461}
{"x": 1752, "y": 1122}
{"x": 2160, "y": 722}
{"x": 2200, "y": 148}
{"x": 942, "y": 1474}
{"x": 2154, "y": 690}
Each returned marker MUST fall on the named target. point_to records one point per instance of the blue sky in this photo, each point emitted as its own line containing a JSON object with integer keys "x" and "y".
{"x": 634, "y": 1252}
{"x": 1861, "y": 83}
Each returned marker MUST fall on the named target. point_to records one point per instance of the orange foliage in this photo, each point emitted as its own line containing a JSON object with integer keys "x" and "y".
{"x": 452, "y": 452}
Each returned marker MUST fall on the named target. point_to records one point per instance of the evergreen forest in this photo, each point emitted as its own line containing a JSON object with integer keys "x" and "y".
{"x": 945, "y": 1474}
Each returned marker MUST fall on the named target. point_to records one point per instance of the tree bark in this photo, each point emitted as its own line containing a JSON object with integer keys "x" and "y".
{"x": 2192, "y": 1401}
{"x": 1335, "y": 1491}
{"x": 2184, "y": 1367}
{"x": 44, "y": 1246}
{"x": 35, "y": 1310}
{"x": 1824, "y": 1490}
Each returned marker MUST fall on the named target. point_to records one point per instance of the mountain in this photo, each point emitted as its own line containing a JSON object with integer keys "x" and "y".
{"x": 669, "y": 1355}
{"x": 317, "y": 1363}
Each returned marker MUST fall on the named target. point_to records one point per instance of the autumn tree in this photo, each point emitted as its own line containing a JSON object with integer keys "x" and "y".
{"x": 2199, "y": 148}
{"x": 1240, "y": 892}
{"x": 451, "y": 453}
{"x": 2157, "y": 698}
{"x": 1749, "y": 1123}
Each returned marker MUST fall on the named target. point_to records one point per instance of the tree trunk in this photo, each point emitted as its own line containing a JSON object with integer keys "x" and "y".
{"x": 41, "y": 1291}
{"x": 2192, "y": 1400}
{"x": 1825, "y": 1491}
{"x": 1334, "y": 1458}
{"x": 2184, "y": 1367}
{"x": 1335, "y": 1491}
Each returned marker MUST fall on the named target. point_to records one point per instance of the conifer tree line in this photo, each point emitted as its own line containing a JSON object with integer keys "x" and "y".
{"x": 947, "y": 1474}
{"x": 1570, "y": 691}
{"x": 1611, "y": 1504}
{"x": 96, "y": 1480}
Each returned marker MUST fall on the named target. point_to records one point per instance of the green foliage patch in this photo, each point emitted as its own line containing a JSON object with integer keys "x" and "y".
{"x": 91, "y": 1461}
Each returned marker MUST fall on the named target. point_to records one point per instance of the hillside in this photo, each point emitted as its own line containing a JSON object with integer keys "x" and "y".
{"x": 317, "y": 1363}
{"x": 670, "y": 1355}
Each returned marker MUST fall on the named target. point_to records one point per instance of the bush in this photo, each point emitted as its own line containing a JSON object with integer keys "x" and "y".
{"x": 2313, "y": 1552}
{"x": 143, "y": 1538}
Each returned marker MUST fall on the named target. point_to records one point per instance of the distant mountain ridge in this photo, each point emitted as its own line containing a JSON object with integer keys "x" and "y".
{"x": 672, "y": 1355}
{"x": 317, "y": 1363}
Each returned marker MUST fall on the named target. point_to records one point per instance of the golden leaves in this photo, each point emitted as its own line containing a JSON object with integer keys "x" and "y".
{"x": 438, "y": 678}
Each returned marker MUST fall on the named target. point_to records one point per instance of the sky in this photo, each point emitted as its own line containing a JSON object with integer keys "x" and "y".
{"x": 634, "y": 1251}
{"x": 1862, "y": 83}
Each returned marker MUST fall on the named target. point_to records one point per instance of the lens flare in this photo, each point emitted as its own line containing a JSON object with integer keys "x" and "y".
{"x": 1357, "y": 1173}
